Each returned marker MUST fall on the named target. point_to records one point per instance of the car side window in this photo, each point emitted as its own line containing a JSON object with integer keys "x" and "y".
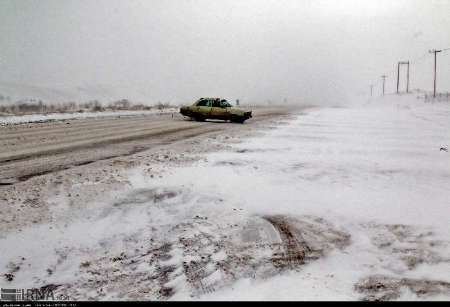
{"x": 202, "y": 103}
{"x": 216, "y": 104}
{"x": 225, "y": 104}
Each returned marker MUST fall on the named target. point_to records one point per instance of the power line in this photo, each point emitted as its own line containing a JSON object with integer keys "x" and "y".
{"x": 414, "y": 61}
{"x": 419, "y": 58}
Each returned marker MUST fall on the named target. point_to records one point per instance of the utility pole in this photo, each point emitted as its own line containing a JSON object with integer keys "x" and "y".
{"x": 407, "y": 78}
{"x": 435, "y": 69}
{"x": 384, "y": 81}
{"x": 398, "y": 76}
{"x": 371, "y": 90}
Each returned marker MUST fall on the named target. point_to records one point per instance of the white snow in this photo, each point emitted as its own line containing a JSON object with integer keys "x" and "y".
{"x": 377, "y": 163}
{"x": 359, "y": 168}
{"x": 31, "y": 118}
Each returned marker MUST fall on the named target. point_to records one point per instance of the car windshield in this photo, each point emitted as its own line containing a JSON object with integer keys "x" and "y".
{"x": 225, "y": 104}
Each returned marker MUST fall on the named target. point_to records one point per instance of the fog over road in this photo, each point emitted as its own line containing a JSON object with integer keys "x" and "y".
{"x": 32, "y": 149}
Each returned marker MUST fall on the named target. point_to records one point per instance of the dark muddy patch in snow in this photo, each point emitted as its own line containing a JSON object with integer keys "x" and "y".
{"x": 390, "y": 172}
{"x": 245, "y": 150}
{"x": 383, "y": 288}
{"x": 311, "y": 237}
{"x": 164, "y": 270}
{"x": 141, "y": 196}
{"x": 411, "y": 245}
{"x": 229, "y": 163}
{"x": 33, "y": 202}
{"x": 260, "y": 150}
{"x": 12, "y": 268}
{"x": 297, "y": 166}
{"x": 293, "y": 247}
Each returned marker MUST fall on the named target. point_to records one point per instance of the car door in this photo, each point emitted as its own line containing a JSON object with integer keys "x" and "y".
{"x": 218, "y": 111}
{"x": 204, "y": 108}
{"x": 226, "y": 107}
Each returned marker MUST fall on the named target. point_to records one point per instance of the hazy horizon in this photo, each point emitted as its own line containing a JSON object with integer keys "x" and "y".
{"x": 254, "y": 50}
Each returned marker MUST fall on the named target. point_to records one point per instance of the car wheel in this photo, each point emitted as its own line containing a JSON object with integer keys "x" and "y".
{"x": 237, "y": 119}
{"x": 199, "y": 119}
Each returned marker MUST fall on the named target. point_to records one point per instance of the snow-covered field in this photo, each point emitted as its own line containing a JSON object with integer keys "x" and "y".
{"x": 368, "y": 170}
{"x": 335, "y": 203}
{"x": 32, "y": 118}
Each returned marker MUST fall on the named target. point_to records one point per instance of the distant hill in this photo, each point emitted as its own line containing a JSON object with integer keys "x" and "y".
{"x": 13, "y": 92}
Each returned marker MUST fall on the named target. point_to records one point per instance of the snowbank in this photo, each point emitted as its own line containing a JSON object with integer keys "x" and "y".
{"x": 32, "y": 118}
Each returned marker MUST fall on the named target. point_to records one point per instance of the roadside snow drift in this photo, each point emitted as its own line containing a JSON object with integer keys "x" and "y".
{"x": 33, "y": 118}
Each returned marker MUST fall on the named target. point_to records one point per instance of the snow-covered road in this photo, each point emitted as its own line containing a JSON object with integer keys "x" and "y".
{"x": 335, "y": 203}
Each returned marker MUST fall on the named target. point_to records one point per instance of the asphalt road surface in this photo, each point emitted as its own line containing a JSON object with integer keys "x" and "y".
{"x": 28, "y": 150}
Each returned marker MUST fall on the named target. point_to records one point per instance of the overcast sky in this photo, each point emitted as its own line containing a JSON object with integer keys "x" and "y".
{"x": 255, "y": 50}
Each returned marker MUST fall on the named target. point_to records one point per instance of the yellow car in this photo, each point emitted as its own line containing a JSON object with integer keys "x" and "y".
{"x": 215, "y": 108}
